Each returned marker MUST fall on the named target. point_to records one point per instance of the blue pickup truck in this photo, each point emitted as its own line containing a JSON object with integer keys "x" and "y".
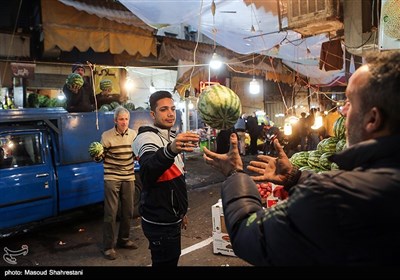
{"x": 45, "y": 167}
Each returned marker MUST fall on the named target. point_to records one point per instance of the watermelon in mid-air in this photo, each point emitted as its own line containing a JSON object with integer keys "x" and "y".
{"x": 219, "y": 107}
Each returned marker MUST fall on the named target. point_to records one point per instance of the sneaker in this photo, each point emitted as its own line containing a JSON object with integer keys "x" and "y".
{"x": 110, "y": 254}
{"x": 127, "y": 245}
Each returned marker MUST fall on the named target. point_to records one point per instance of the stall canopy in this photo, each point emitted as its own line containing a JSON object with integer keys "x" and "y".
{"x": 88, "y": 24}
{"x": 268, "y": 27}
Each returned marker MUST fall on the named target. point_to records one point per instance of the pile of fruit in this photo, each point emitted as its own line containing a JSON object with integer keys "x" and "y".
{"x": 318, "y": 160}
{"x": 113, "y": 105}
{"x": 270, "y": 191}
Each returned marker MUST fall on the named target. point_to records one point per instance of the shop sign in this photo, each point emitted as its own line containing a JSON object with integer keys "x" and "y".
{"x": 23, "y": 70}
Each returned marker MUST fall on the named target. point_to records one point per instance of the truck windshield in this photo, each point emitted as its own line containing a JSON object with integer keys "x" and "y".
{"x": 20, "y": 150}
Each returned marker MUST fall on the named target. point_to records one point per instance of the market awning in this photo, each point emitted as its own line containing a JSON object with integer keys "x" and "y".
{"x": 185, "y": 51}
{"x": 66, "y": 27}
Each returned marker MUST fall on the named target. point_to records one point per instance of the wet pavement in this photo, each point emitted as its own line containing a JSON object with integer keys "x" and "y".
{"x": 77, "y": 241}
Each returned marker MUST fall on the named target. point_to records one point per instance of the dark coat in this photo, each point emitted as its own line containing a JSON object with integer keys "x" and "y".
{"x": 345, "y": 217}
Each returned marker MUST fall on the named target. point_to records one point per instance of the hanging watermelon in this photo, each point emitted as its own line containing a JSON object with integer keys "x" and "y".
{"x": 219, "y": 107}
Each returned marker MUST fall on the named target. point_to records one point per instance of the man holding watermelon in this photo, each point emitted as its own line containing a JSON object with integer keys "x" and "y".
{"x": 78, "y": 91}
{"x": 119, "y": 183}
{"x": 344, "y": 217}
{"x": 164, "y": 199}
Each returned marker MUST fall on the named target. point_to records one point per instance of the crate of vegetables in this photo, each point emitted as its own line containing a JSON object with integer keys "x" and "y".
{"x": 271, "y": 193}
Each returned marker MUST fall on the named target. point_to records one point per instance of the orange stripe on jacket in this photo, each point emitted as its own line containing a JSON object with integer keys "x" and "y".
{"x": 169, "y": 174}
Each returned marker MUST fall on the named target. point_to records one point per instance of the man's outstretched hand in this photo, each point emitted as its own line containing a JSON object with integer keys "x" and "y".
{"x": 272, "y": 169}
{"x": 225, "y": 163}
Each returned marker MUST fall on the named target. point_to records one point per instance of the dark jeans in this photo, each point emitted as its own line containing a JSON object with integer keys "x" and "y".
{"x": 164, "y": 243}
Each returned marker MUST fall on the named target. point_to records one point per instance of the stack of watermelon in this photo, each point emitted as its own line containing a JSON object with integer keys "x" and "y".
{"x": 113, "y": 105}
{"x": 317, "y": 160}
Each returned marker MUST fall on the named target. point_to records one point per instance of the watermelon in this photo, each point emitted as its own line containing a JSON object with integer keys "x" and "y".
{"x": 313, "y": 158}
{"x": 341, "y": 145}
{"x": 299, "y": 159}
{"x": 95, "y": 149}
{"x": 114, "y": 105}
{"x": 334, "y": 166}
{"x": 306, "y": 168}
{"x": 324, "y": 162}
{"x": 328, "y": 145}
{"x": 105, "y": 84}
{"x": 74, "y": 80}
{"x": 130, "y": 106}
{"x": 339, "y": 129}
{"x": 219, "y": 107}
{"x": 105, "y": 108}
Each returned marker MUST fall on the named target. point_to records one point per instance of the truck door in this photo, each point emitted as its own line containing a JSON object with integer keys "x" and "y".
{"x": 27, "y": 185}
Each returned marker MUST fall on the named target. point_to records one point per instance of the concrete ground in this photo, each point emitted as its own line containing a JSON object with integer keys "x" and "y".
{"x": 77, "y": 241}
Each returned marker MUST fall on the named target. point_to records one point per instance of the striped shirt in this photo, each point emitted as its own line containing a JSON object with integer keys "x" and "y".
{"x": 118, "y": 155}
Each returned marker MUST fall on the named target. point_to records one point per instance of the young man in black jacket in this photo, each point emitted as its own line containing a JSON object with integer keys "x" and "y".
{"x": 164, "y": 200}
{"x": 346, "y": 217}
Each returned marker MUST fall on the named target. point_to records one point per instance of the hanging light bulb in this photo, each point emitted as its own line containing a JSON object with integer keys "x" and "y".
{"x": 215, "y": 62}
{"x": 254, "y": 86}
{"x": 287, "y": 129}
{"x": 60, "y": 95}
{"x": 190, "y": 105}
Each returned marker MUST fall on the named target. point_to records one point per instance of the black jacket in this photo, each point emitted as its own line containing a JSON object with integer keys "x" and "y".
{"x": 164, "y": 195}
{"x": 345, "y": 217}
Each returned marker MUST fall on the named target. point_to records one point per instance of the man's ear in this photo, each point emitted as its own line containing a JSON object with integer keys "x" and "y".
{"x": 153, "y": 115}
{"x": 374, "y": 120}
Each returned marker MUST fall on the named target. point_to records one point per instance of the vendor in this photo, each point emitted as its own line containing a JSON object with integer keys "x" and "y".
{"x": 105, "y": 96}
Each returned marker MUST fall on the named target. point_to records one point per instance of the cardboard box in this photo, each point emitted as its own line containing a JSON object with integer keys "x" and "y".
{"x": 221, "y": 241}
{"x": 222, "y": 244}
{"x": 218, "y": 220}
